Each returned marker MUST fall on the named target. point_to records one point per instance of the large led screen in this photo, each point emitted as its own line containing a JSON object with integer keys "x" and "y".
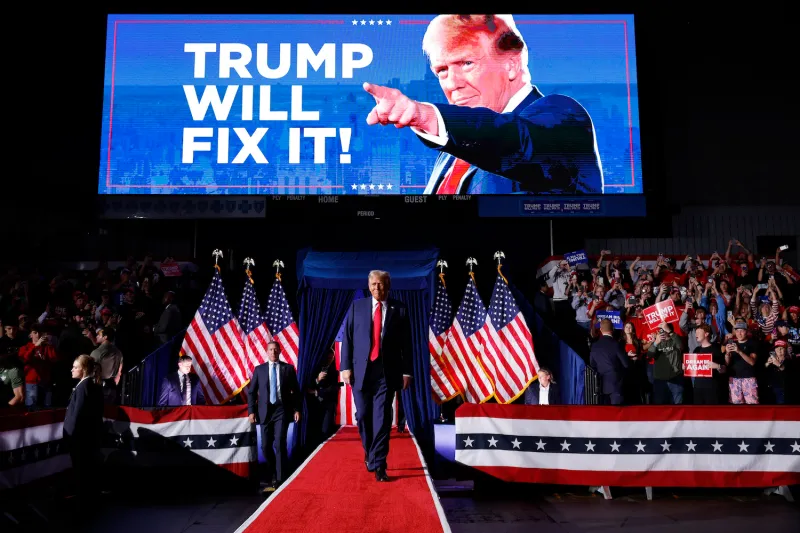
{"x": 370, "y": 105}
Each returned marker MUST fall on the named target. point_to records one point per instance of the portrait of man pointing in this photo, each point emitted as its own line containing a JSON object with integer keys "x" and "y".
{"x": 498, "y": 134}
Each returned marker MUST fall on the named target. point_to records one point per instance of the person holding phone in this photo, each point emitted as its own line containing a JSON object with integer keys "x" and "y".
{"x": 777, "y": 370}
{"x": 706, "y": 391}
{"x": 667, "y": 350}
{"x": 740, "y": 359}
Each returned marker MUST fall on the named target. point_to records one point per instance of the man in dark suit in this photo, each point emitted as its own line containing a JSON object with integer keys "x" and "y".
{"x": 181, "y": 387}
{"x": 273, "y": 400}
{"x": 609, "y": 360}
{"x": 170, "y": 323}
{"x": 376, "y": 361}
{"x": 498, "y": 134}
{"x": 543, "y": 391}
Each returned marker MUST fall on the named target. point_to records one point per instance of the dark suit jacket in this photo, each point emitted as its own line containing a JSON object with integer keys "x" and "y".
{"x": 395, "y": 346}
{"x": 83, "y": 421}
{"x": 258, "y": 391}
{"x": 328, "y": 388}
{"x": 609, "y": 360}
{"x": 546, "y": 145}
{"x": 171, "y": 394}
{"x": 532, "y": 394}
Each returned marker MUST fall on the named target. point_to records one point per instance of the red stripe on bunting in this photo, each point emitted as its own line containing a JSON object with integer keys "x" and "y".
{"x": 642, "y": 479}
{"x": 13, "y": 419}
{"x": 642, "y": 413}
{"x": 176, "y": 414}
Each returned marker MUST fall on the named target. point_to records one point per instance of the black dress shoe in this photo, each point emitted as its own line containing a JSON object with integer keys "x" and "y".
{"x": 380, "y": 475}
{"x": 366, "y": 463}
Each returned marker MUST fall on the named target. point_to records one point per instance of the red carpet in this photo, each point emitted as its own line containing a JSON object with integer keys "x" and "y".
{"x": 333, "y": 492}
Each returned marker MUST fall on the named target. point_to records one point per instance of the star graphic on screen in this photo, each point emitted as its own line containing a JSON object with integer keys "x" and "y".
{"x": 234, "y": 441}
{"x": 355, "y": 23}
{"x": 212, "y": 443}
{"x": 380, "y": 186}
{"x": 565, "y": 445}
{"x": 363, "y": 186}
{"x": 363, "y": 22}
{"x": 540, "y": 445}
{"x": 388, "y": 186}
{"x": 372, "y": 186}
{"x": 354, "y": 187}
{"x": 665, "y": 446}
{"x": 691, "y": 447}
{"x": 743, "y": 447}
{"x": 388, "y": 22}
{"x": 492, "y": 441}
{"x": 515, "y": 443}
{"x": 640, "y": 447}
{"x": 468, "y": 442}
{"x": 590, "y": 446}
{"x": 615, "y": 447}
{"x": 768, "y": 446}
{"x": 717, "y": 446}
{"x": 188, "y": 442}
{"x": 380, "y": 23}
{"x": 371, "y": 22}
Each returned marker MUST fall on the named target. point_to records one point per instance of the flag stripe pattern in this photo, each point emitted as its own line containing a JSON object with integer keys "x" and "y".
{"x": 443, "y": 386}
{"x": 255, "y": 333}
{"x": 214, "y": 341}
{"x": 464, "y": 345}
{"x": 632, "y": 446}
{"x": 282, "y": 325}
{"x": 508, "y": 346}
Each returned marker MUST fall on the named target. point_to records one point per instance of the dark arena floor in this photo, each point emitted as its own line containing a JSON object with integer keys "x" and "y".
{"x": 493, "y": 507}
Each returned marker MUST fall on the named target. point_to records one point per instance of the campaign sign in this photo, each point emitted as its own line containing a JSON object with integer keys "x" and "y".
{"x": 613, "y": 316}
{"x": 697, "y": 365}
{"x": 576, "y": 258}
{"x": 665, "y": 310}
{"x": 171, "y": 270}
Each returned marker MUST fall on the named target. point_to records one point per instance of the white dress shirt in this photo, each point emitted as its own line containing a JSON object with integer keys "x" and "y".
{"x": 544, "y": 395}
{"x": 277, "y": 375}
{"x": 181, "y": 373}
{"x": 443, "y": 137}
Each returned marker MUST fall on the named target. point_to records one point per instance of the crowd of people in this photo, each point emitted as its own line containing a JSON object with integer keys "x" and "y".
{"x": 741, "y": 309}
{"x": 115, "y": 316}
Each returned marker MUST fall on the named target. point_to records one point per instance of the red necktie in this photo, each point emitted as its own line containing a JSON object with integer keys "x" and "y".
{"x": 453, "y": 177}
{"x": 376, "y": 333}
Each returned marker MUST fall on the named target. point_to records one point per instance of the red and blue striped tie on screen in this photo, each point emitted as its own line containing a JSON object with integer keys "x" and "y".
{"x": 453, "y": 177}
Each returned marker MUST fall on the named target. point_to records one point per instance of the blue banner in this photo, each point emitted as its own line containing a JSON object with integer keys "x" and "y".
{"x": 576, "y": 258}
{"x": 613, "y": 316}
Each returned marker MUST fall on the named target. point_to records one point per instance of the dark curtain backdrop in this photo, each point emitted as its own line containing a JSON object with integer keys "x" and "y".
{"x": 329, "y": 282}
{"x": 321, "y": 314}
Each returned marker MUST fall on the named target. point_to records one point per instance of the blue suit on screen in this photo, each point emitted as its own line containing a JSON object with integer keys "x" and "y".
{"x": 545, "y": 145}
{"x": 376, "y": 382}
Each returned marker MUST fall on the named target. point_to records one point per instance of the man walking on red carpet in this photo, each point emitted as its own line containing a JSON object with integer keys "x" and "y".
{"x": 376, "y": 361}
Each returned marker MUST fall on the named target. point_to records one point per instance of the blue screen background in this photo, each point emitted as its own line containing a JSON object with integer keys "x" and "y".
{"x": 582, "y": 56}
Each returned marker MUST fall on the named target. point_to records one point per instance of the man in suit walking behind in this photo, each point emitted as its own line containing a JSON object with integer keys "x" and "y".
{"x": 610, "y": 362}
{"x": 376, "y": 361}
{"x": 181, "y": 387}
{"x": 272, "y": 400}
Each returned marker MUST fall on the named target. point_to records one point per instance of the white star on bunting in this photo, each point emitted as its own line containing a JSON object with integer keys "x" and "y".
{"x": 640, "y": 447}
{"x": 388, "y": 186}
{"x": 665, "y": 446}
{"x": 540, "y": 445}
{"x": 212, "y": 443}
{"x": 371, "y": 22}
{"x": 743, "y": 447}
{"x": 363, "y": 22}
{"x": 768, "y": 446}
{"x": 565, "y": 445}
{"x": 355, "y": 23}
{"x": 372, "y": 186}
{"x": 380, "y": 23}
{"x": 717, "y": 446}
{"x": 234, "y": 441}
{"x": 492, "y": 441}
{"x": 590, "y": 447}
{"x": 468, "y": 442}
{"x": 691, "y": 447}
{"x": 795, "y": 447}
{"x": 380, "y": 186}
{"x": 615, "y": 447}
{"x": 516, "y": 442}
{"x": 188, "y": 442}
{"x": 354, "y": 186}
{"x": 388, "y": 22}
{"x": 363, "y": 186}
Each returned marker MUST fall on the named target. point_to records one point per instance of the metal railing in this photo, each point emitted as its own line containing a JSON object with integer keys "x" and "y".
{"x": 591, "y": 389}
{"x": 140, "y": 385}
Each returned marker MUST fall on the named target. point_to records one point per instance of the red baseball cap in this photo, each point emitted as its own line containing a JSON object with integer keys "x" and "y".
{"x": 780, "y": 343}
{"x": 794, "y": 309}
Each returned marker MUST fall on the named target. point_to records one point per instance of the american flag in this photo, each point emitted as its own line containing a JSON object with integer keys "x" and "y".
{"x": 508, "y": 347}
{"x": 666, "y": 446}
{"x": 255, "y": 333}
{"x": 443, "y": 386}
{"x": 214, "y": 341}
{"x": 282, "y": 325}
{"x": 464, "y": 345}
{"x": 346, "y": 408}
